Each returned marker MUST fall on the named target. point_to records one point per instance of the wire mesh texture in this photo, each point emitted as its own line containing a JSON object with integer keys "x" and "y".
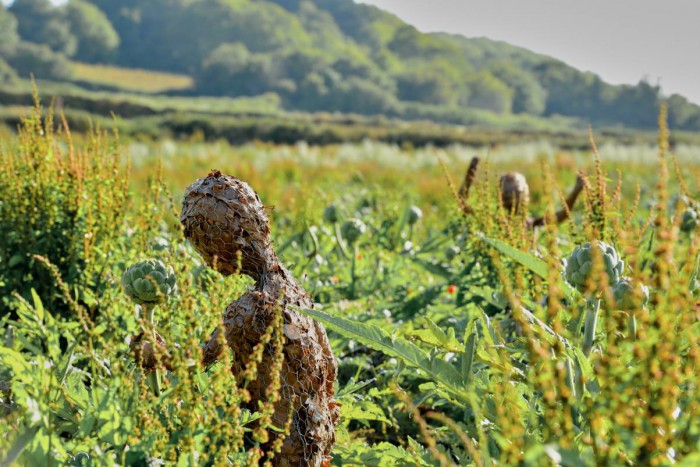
{"x": 226, "y": 222}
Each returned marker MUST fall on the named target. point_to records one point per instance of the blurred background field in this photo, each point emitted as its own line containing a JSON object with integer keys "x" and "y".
{"x": 130, "y": 79}
{"x": 312, "y": 70}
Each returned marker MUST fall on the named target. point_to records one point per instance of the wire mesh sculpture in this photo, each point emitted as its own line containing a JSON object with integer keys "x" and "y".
{"x": 226, "y": 222}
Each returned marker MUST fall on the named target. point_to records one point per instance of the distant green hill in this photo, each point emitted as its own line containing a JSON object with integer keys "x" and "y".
{"x": 321, "y": 55}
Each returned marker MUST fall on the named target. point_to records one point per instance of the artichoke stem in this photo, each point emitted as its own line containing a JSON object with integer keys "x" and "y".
{"x": 154, "y": 382}
{"x": 590, "y": 323}
{"x": 153, "y": 378}
{"x": 632, "y": 326}
{"x": 353, "y": 271}
{"x": 339, "y": 238}
{"x": 150, "y": 311}
{"x": 575, "y": 391}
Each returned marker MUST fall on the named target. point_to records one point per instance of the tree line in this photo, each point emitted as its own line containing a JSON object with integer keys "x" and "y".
{"x": 319, "y": 55}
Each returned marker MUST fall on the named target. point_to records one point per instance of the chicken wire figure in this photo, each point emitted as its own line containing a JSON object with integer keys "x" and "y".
{"x": 226, "y": 222}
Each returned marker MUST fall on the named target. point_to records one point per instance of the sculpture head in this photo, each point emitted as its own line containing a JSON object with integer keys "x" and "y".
{"x": 226, "y": 222}
{"x": 515, "y": 191}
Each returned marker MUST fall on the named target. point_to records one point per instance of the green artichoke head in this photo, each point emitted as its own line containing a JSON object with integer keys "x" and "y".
{"x": 331, "y": 214}
{"x": 149, "y": 282}
{"x": 352, "y": 229}
{"x": 580, "y": 263}
{"x": 689, "y": 221}
{"x": 451, "y": 252}
{"x": 623, "y": 293}
{"x": 694, "y": 286}
{"x": 160, "y": 244}
{"x": 413, "y": 215}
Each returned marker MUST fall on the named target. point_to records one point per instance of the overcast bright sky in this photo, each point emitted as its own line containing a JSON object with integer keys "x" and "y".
{"x": 620, "y": 40}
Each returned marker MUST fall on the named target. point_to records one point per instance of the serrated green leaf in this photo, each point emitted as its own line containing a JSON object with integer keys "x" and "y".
{"x": 468, "y": 359}
{"x": 14, "y": 360}
{"x": 20, "y": 444}
{"x": 380, "y": 340}
{"x": 531, "y": 262}
{"x": 534, "y": 264}
{"x": 38, "y": 306}
{"x": 434, "y": 268}
{"x": 435, "y": 336}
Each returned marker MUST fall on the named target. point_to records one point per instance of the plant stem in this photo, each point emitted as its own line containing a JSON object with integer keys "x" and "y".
{"x": 339, "y": 238}
{"x": 353, "y": 276}
{"x": 153, "y": 379}
{"x": 151, "y": 314}
{"x": 632, "y": 326}
{"x": 591, "y": 321}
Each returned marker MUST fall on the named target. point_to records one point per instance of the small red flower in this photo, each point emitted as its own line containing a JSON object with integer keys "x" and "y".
{"x": 452, "y": 288}
{"x": 359, "y": 257}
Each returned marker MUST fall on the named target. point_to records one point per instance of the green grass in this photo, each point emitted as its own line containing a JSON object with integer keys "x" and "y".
{"x": 440, "y": 361}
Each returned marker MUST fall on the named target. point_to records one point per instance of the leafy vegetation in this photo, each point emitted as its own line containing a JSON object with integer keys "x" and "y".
{"x": 457, "y": 336}
{"x": 322, "y": 56}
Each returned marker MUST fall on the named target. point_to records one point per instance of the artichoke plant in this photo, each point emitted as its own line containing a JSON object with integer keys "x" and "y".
{"x": 149, "y": 282}
{"x": 623, "y": 293}
{"x": 331, "y": 214}
{"x": 451, "y": 252}
{"x": 689, "y": 221}
{"x": 580, "y": 263}
{"x": 353, "y": 229}
{"x": 413, "y": 215}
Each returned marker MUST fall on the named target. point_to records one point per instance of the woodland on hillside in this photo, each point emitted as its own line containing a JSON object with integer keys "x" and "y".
{"x": 319, "y": 55}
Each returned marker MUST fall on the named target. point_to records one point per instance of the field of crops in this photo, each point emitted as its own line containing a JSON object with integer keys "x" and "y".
{"x": 461, "y": 334}
{"x": 129, "y": 79}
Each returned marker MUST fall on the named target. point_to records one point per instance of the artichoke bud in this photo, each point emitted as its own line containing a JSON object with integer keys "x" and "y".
{"x": 451, "y": 252}
{"x": 160, "y": 244}
{"x": 580, "y": 263}
{"x": 689, "y": 221}
{"x": 352, "y": 229}
{"x": 623, "y": 293}
{"x": 414, "y": 214}
{"x": 330, "y": 214}
{"x": 149, "y": 282}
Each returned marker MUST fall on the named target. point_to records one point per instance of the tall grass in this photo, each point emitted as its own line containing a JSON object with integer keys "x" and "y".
{"x": 65, "y": 204}
{"x": 487, "y": 358}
